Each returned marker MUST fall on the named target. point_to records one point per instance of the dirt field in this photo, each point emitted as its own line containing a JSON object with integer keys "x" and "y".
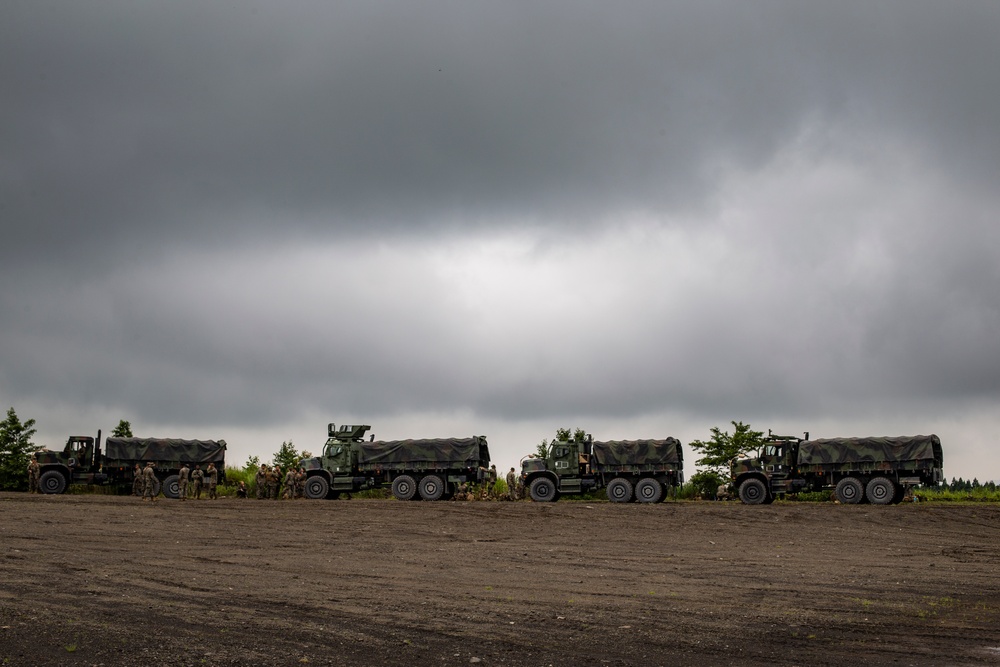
{"x": 104, "y": 580}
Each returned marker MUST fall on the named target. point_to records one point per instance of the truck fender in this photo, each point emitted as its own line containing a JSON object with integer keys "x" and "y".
{"x": 541, "y": 473}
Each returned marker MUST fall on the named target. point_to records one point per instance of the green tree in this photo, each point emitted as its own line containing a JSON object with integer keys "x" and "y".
{"x": 252, "y": 464}
{"x": 287, "y": 457}
{"x": 15, "y": 451}
{"x": 563, "y": 434}
{"x": 542, "y": 449}
{"x": 123, "y": 430}
{"x": 722, "y": 448}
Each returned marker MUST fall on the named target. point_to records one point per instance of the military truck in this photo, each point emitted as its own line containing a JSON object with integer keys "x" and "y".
{"x": 82, "y": 462}
{"x": 876, "y": 470}
{"x": 628, "y": 470}
{"x": 429, "y": 469}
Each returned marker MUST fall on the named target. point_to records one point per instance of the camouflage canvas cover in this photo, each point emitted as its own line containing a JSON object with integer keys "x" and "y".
{"x": 638, "y": 453}
{"x": 165, "y": 449}
{"x": 870, "y": 450}
{"x": 391, "y": 453}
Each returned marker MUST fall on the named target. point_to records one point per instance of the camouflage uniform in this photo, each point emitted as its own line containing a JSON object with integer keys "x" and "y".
{"x": 197, "y": 478}
{"x": 33, "y": 476}
{"x": 511, "y": 485}
{"x": 182, "y": 481}
{"x": 149, "y": 482}
{"x": 273, "y": 481}
{"x": 138, "y": 482}
{"x": 491, "y": 489}
{"x": 212, "y": 477}
{"x": 463, "y": 491}
{"x": 300, "y": 483}
{"x": 261, "y": 479}
{"x": 288, "y": 491}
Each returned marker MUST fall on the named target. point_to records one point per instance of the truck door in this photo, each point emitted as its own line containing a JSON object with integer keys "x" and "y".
{"x": 773, "y": 458}
{"x": 564, "y": 459}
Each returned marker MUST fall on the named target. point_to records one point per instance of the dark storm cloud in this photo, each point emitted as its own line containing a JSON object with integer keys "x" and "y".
{"x": 240, "y": 213}
{"x": 128, "y": 124}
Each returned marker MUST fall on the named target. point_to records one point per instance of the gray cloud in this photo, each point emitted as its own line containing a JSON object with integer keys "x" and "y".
{"x": 241, "y": 213}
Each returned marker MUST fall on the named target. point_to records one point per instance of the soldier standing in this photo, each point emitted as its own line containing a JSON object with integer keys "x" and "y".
{"x": 138, "y": 482}
{"x": 289, "y": 485}
{"x": 212, "y": 477}
{"x": 33, "y": 475}
{"x": 511, "y": 484}
{"x": 273, "y": 481}
{"x": 491, "y": 490}
{"x": 149, "y": 482}
{"x": 182, "y": 480}
{"x": 300, "y": 483}
{"x": 197, "y": 479}
{"x": 261, "y": 479}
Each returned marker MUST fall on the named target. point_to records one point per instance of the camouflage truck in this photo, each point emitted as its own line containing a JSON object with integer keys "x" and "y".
{"x": 429, "y": 469}
{"x": 629, "y": 470}
{"x": 876, "y": 470}
{"x": 82, "y": 462}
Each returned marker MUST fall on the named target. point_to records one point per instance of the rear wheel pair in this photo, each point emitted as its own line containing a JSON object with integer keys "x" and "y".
{"x": 646, "y": 490}
{"x": 879, "y": 491}
{"x": 430, "y": 487}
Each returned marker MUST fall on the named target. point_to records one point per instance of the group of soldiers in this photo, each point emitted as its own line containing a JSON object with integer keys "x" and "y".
{"x": 487, "y": 490}
{"x": 190, "y": 482}
{"x": 269, "y": 480}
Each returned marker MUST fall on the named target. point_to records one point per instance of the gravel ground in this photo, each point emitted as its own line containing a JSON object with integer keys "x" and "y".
{"x": 107, "y": 580}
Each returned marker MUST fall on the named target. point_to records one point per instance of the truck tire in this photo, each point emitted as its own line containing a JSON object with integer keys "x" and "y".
{"x": 172, "y": 487}
{"x": 542, "y": 490}
{"x": 754, "y": 492}
{"x": 431, "y": 487}
{"x": 619, "y": 490}
{"x": 880, "y": 491}
{"x": 648, "y": 490}
{"x": 850, "y": 491}
{"x": 52, "y": 481}
{"x": 404, "y": 488}
{"x": 317, "y": 488}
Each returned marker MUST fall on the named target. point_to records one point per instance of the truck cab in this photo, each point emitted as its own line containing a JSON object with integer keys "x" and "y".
{"x": 565, "y": 468}
{"x": 79, "y": 461}
{"x": 333, "y": 472}
{"x": 772, "y": 472}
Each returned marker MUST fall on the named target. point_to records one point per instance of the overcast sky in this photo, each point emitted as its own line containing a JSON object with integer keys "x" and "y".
{"x": 244, "y": 220}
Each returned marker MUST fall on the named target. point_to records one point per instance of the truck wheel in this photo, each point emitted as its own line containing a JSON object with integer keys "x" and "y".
{"x": 880, "y": 491}
{"x": 619, "y": 490}
{"x": 648, "y": 490}
{"x": 317, "y": 488}
{"x": 404, "y": 488}
{"x": 753, "y": 492}
{"x": 172, "y": 487}
{"x": 431, "y": 488}
{"x": 542, "y": 490}
{"x": 849, "y": 491}
{"x": 52, "y": 481}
